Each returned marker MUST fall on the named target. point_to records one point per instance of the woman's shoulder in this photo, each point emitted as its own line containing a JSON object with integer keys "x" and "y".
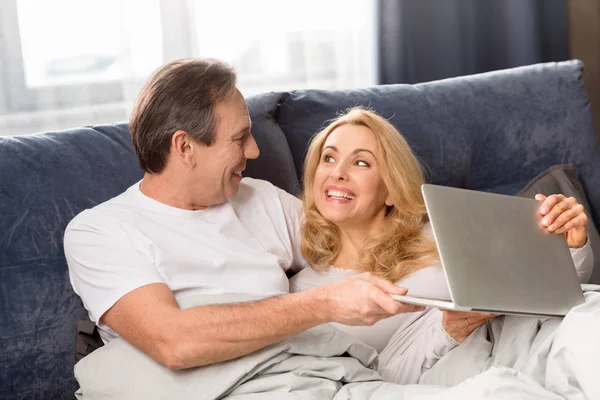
{"x": 309, "y": 278}
{"x": 429, "y": 281}
{"x": 427, "y": 230}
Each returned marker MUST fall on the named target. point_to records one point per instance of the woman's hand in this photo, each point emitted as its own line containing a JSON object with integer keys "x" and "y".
{"x": 564, "y": 215}
{"x": 460, "y": 325}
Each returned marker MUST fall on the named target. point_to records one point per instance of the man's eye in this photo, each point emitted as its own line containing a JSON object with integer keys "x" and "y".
{"x": 361, "y": 163}
{"x": 328, "y": 159}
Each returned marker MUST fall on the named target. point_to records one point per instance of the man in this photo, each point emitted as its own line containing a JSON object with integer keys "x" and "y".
{"x": 192, "y": 225}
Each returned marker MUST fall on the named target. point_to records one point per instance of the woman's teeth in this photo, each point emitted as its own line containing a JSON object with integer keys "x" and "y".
{"x": 340, "y": 195}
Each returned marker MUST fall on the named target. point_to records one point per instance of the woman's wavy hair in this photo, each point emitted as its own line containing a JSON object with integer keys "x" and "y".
{"x": 400, "y": 248}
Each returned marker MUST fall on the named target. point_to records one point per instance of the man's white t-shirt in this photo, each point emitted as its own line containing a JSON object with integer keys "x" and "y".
{"x": 244, "y": 245}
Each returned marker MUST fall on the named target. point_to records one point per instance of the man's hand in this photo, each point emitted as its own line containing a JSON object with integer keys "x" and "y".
{"x": 363, "y": 300}
{"x": 564, "y": 215}
{"x": 460, "y": 325}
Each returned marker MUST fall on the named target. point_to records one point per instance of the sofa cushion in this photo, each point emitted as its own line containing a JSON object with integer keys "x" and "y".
{"x": 275, "y": 162}
{"x": 509, "y": 189}
{"x": 45, "y": 180}
{"x": 476, "y": 131}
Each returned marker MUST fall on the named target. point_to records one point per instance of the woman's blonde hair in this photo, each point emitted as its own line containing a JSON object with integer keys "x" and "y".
{"x": 400, "y": 248}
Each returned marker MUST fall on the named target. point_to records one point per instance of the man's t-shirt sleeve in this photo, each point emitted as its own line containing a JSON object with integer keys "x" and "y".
{"x": 104, "y": 264}
{"x": 292, "y": 210}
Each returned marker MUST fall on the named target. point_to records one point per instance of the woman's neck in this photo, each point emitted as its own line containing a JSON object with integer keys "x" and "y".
{"x": 351, "y": 241}
{"x": 350, "y": 245}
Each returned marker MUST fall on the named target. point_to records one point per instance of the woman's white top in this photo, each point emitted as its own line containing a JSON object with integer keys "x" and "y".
{"x": 412, "y": 341}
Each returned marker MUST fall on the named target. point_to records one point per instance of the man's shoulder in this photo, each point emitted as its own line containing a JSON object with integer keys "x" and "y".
{"x": 255, "y": 189}
{"x": 264, "y": 191}
{"x": 256, "y": 184}
{"x": 106, "y": 214}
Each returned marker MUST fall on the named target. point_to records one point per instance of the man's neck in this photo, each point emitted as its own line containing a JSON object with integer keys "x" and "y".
{"x": 167, "y": 189}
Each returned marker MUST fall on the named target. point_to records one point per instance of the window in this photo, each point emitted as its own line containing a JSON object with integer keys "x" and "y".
{"x": 67, "y": 63}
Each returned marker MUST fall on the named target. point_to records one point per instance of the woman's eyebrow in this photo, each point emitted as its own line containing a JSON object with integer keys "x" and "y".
{"x": 356, "y": 151}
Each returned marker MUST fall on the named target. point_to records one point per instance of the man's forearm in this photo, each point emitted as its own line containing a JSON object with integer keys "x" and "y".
{"x": 209, "y": 334}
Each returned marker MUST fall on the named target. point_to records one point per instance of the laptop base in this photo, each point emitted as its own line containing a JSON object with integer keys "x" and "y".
{"x": 450, "y": 306}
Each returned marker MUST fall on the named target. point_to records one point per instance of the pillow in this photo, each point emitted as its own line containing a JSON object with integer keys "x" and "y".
{"x": 509, "y": 189}
{"x": 563, "y": 179}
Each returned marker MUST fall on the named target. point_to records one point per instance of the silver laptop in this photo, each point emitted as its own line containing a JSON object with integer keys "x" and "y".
{"x": 497, "y": 257}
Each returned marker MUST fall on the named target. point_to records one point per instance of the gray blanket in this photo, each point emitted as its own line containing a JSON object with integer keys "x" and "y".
{"x": 325, "y": 363}
{"x": 312, "y": 365}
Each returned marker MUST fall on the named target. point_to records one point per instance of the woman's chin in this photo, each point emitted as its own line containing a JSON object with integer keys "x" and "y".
{"x": 335, "y": 217}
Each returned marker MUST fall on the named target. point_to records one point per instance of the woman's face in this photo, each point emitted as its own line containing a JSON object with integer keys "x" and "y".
{"x": 348, "y": 188}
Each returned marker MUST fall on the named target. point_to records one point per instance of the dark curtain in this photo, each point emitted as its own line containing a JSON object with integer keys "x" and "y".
{"x": 424, "y": 40}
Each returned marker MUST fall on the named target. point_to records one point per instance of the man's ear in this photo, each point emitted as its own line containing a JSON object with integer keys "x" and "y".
{"x": 183, "y": 148}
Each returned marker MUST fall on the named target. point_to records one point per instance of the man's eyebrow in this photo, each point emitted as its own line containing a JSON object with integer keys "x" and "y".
{"x": 244, "y": 131}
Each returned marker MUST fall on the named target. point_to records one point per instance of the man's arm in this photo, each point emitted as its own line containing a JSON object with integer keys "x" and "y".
{"x": 149, "y": 318}
{"x": 120, "y": 287}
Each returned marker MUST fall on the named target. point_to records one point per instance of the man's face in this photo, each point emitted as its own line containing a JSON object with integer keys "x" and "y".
{"x": 219, "y": 167}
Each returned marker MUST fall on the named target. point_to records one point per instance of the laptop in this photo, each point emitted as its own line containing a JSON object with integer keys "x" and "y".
{"x": 496, "y": 256}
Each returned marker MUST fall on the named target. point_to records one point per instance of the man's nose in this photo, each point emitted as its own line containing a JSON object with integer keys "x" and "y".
{"x": 251, "y": 151}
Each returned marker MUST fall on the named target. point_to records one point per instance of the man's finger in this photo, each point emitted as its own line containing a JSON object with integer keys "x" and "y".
{"x": 392, "y": 306}
{"x": 384, "y": 301}
{"x": 387, "y": 286}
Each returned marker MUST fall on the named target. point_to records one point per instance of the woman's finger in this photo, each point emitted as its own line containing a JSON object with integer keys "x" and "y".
{"x": 549, "y": 203}
{"x": 576, "y": 223}
{"x": 459, "y": 315}
{"x": 566, "y": 216}
{"x": 460, "y": 329}
{"x": 557, "y": 210}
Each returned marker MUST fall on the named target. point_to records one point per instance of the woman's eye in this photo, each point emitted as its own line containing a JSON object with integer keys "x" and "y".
{"x": 328, "y": 159}
{"x": 361, "y": 163}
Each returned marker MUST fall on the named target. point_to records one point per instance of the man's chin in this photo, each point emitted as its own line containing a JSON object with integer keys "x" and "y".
{"x": 232, "y": 190}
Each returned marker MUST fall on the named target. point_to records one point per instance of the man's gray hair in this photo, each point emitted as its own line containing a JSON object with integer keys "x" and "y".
{"x": 180, "y": 95}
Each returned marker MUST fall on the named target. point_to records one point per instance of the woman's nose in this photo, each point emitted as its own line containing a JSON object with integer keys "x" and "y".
{"x": 339, "y": 173}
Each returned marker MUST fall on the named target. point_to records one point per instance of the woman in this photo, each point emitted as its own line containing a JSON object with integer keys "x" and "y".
{"x": 364, "y": 213}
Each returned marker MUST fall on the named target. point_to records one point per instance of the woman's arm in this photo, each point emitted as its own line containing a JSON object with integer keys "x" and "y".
{"x": 583, "y": 258}
{"x": 415, "y": 348}
{"x": 564, "y": 215}
{"x": 416, "y": 345}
